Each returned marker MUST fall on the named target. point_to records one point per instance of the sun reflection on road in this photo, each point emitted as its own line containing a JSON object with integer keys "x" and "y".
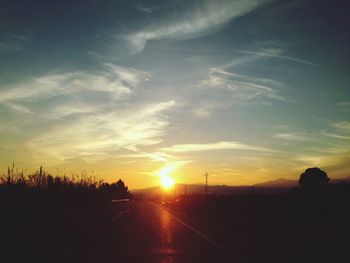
{"x": 167, "y": 249}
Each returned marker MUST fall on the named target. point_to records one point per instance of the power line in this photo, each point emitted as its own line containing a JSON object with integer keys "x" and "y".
{"x": 206, "y": 183}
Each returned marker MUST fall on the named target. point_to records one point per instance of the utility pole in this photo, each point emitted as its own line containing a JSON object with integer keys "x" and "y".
{"x": 206, "y": 183}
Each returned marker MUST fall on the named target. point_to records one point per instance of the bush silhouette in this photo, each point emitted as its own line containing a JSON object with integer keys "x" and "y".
{"x": 313, "y": 178}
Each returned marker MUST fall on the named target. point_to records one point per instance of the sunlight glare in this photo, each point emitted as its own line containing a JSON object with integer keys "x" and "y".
{"x": 166, "y": 181}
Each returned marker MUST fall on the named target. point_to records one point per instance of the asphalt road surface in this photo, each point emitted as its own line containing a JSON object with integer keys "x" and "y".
{"x": 120, "y": 232}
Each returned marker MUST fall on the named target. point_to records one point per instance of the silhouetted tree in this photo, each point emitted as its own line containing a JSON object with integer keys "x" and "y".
{"x": 313, "y": 178}
{"x": 115, "y": 190}
{"x": 121, "y": 186}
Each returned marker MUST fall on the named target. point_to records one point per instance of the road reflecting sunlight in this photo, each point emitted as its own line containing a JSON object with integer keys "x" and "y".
{"x": 166, "y": 248}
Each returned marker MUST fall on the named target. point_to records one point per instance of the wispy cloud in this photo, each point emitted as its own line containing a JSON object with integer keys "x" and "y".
{"x": 17, "y": 107}
{"x": 278, "y": 53}
{"x": 344, "y": 106}
{"x": 291, "y": 136}
{"x": 204, "y": 110}
{"x": 344, "y": 103}
{"x": 342, "y": 126}
{"x": 242, "y": 87}
{"x": 192, "y": 22}
{"x": 116, "y": 80}
{"x": 13, "y": 42}
{"x": 321, "y": 141}
{"x": 335, "y": 159}
{"x": 100, "y": 135}
{"x": 87, "y": 115}
{"x": 223, "y": 145}
{"x": 337, "y": 136}
{"x": 328, "y": 149}
{"x": 153, "y": 156}
{"x": 64, "y": 110}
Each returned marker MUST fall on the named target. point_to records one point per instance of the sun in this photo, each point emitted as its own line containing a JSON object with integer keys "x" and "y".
{"x": 166, "y": 180}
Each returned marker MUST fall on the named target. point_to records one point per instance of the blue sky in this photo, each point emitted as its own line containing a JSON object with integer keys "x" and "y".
{"x": 246, "y": 90}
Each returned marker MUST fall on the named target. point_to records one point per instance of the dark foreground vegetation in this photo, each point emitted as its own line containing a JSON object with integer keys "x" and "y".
{"x": 311, "y": 223}
{"x": 40, "y": 194}
{"x": 60, "y": 219}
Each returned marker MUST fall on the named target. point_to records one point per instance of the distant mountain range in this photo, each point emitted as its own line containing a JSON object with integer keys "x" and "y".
{"x": 342, "y": 179}
{"x": 280, "y": 185}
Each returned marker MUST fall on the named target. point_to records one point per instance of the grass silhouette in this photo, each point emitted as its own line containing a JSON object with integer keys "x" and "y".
{"x": 40, "y": 194}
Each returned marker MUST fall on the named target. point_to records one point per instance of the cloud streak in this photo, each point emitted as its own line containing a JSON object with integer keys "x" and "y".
{"x": 115, "y": 80}
{"x": 291, "y": 137}
{"x": 193, "y": 22}
{"x": 222, "y": 145}
{"x": 243, "y": 88}
{"x": 13, "y": 43}
{"x": 277, "y": 53}
{"x": 101, "y": 135}
{"x": 87, "y": 115}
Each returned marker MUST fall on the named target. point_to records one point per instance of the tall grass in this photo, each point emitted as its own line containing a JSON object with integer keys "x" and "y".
{"x": 40, "y": 186}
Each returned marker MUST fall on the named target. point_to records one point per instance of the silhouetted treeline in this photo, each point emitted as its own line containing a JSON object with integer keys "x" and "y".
{"x": 47, "y": 192}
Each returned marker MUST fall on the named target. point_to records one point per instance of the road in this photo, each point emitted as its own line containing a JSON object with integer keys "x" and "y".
{"x": 120, "y": 232}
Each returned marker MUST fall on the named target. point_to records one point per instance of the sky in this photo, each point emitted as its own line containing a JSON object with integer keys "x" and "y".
{"x": 246, "y": 90}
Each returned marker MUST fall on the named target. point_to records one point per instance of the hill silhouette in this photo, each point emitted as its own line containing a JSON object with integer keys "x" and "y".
{"x": 280, "y": 182}
{"x": 280, "y": 185}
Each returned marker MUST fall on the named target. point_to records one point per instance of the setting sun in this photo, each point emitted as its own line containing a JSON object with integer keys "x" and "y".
{"x": 165, "y": 180}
